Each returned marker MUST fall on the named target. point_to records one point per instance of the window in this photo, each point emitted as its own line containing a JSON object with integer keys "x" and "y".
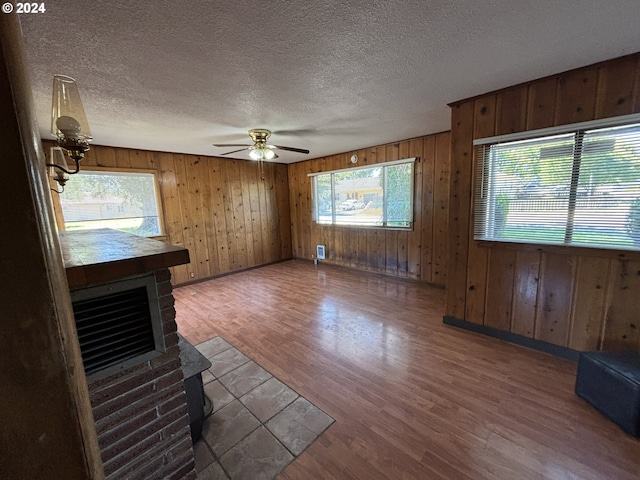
{"x": 126, "y": 201}
{"x": 577, "y": 185}
{"x": 381, "y": 195}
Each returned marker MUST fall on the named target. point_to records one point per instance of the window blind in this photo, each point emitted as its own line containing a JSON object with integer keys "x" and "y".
{"x": 575, "y": 188}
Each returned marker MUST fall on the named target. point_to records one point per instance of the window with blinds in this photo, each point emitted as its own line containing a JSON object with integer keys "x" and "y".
{"x": 576, "y": 185}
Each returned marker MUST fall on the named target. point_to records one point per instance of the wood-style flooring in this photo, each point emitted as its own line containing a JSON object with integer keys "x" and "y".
{"x": 412, "y": 398}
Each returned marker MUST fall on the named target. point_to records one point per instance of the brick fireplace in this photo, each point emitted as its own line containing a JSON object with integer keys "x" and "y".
{"x": 140, "y": 411}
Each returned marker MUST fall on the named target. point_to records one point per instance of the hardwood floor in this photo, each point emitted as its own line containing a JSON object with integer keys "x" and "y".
{"x": 412, "y": 398}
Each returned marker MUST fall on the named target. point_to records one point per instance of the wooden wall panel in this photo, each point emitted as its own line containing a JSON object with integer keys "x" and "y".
{"x": 403, "y": 237}
{"x": 511, "y": 112}
{"x": 379, "y": 257}
{"x": 230, "y": 214}
{"x": 617, "y": 88}
{"x": 591, "y": 294}
{"x": 280, "y": 188}
{"x": 525, "y": 293}
{"x": 107, "y": 157}
{"x": 238, "y": 237}
{"x": 555, "y": 298}
{"x": 580, "y": 298}
{"x": 171, "y": 208}
{"x": 576, "y": 96}
{"x": 123, "y": 160}
{"x": 219, "y": 213}
{"x": 460, "y": 188}
{"x": 205, "y": 192}
{"x": 440, "y": 244}
{"x": 421, "y": 253}
{"x": 184, "y": 202}
{"x": 541, "y": 104}
{"x": 427, "y": 166}
{"x": 500, "y": 275}
{"x": 415, "y": 247}
{"x": 196, "y": 198}
{"x": 294, "y": 176}
{"x": 621, "y": 331}
{"x": 484, "y": 118}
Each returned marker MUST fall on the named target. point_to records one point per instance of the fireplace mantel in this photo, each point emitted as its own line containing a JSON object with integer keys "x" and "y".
{"x": 101, "y": 256}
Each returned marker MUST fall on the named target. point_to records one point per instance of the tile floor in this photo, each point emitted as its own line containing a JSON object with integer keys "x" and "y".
{"x": 258, "y": 426}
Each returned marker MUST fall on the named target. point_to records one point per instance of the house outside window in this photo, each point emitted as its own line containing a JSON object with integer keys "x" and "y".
{"x": 575, "y": 185}
{"x": 122, "y": 200}
{"x": 379, "y": 196}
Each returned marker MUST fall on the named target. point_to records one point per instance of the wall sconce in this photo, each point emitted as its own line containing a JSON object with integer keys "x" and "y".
{"x": 58, "y": 168}
{"x": 69, "y": 125}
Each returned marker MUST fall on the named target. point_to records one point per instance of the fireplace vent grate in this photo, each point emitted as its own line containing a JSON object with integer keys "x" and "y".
{"x": 115, "y": 326}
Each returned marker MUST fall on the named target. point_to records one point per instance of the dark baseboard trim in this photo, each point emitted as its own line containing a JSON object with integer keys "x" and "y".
{"x": 325, "y": 263}
{"x": 232, "y": 272}
{"x": 558, "y": 351}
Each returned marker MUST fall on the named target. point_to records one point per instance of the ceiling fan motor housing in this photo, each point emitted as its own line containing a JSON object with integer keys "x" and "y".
{"x": 259, "y": 135}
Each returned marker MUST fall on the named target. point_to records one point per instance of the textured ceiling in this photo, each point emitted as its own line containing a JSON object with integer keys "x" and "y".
{"x": 330, "y": 76}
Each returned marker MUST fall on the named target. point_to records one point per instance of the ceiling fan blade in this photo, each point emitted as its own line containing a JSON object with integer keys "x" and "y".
{"x": 230, "y": 145}
{"x": 234, "y": 151}
{"x": 291, "y": 149}
{"x": 302, "y": 131}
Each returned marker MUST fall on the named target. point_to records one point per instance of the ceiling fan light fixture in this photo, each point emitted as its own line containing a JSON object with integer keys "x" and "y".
{"x": 269, "y": 154}
{"x": 260, "y": 150}
{"x": 256, "y": 153}
{"x": 261, "y": 153}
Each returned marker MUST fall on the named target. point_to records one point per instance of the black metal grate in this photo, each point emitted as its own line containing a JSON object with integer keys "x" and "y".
{"x": 114, "y": 328}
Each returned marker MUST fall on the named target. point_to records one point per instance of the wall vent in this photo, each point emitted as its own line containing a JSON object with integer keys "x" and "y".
{"x": 119, "y": 325}
{"x": 320, "y": 252}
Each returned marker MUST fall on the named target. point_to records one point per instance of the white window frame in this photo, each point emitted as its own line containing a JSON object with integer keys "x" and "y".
{"x": 485, "y": 197}
{"x": 121, "y": 171}
{"x": 316, "y": 206}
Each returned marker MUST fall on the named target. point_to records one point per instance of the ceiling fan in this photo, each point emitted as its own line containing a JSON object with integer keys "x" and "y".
{"x": 260, "y": 150}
